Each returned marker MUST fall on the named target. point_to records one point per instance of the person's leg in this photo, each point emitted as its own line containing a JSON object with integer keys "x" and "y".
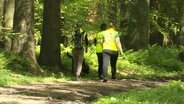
{"x": 106, "y": 59}
{"x": 79, "y": 62}
{"x": 113, "y": 61}
{"x": 75, "y": 59}
{"x": 100, "y": 67}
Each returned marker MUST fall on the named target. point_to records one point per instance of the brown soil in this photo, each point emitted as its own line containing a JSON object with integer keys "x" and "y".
{"x": 69, "y": 92}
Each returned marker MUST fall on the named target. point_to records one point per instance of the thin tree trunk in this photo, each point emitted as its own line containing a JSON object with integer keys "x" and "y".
{"x": 181, "y": 18}
{"x": 112, "y": 11}
{"x": 8, "y": 22}
{"x": 124, "y": 19}
{"x": 1, "y": 14}
{"x": 9, "y": 13}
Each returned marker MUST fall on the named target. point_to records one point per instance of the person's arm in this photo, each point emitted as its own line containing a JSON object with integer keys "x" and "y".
{"x": 101, "y": 40}
{"x": 95, "y": 41}
{"x": 86, "y": 42}
{"x": 118, "y": 43}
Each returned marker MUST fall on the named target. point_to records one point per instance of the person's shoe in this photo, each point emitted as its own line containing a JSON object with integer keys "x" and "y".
{"x": 77, "y": 78}
{"x": 105, "y": 80}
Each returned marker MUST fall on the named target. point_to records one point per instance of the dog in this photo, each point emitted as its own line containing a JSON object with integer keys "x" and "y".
{"x": 181, "y": 56}
{"x": 85, "y": 66}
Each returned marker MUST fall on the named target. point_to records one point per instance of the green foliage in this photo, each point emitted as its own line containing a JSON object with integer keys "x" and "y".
{"x": 162, "y": 23}
{"x": 38, "y": 18}
{"x": 156, "y": 57}
{"x": 73, "y": 11}
{"x": 173, "y": 93}
{"x": 165, "y": 57}
{"x": 14, "y": 62}
{"x": 14, "y": 70}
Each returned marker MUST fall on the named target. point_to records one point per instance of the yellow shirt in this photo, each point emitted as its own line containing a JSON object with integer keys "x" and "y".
{"x": 109, "y": 39}
{"x": 99, "y": 48}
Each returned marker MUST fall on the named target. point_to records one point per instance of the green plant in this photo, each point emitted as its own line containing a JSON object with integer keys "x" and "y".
{"x": 173, "y": 93}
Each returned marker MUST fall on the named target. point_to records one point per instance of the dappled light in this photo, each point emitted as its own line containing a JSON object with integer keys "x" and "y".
{"x": 70, "y": 91}
{"x": 91, "y": 51}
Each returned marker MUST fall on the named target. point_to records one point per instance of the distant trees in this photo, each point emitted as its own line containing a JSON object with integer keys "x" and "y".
{"x": 1, "y": 14}
{"x": 6, "y": 23}
{"x": 181, "y": 22}
{"x": 138, "y": 30}
{"x": 9, "y": 7}
{"x": 112, "y": 11}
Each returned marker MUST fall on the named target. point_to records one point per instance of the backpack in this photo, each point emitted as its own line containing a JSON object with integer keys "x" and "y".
{"x": 79, "y": 38}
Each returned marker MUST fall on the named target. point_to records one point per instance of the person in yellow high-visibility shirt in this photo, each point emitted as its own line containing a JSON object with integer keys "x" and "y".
{"x": 99, "y": 49}
{"x": 111, "y": 47}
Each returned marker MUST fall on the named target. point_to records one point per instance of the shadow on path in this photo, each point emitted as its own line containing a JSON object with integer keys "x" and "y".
{"x": 69, "y": 92}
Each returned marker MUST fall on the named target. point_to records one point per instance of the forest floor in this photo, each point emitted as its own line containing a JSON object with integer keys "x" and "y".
{"x": 71, "y": 92}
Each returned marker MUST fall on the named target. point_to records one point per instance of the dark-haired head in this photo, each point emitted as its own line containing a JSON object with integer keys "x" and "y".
{"x": 103, "y": 26}
{"x": 79, "y": 25}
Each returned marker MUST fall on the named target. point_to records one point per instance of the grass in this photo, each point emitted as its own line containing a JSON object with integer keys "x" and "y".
{"x": 13, "y": 70}
{"x": 173, "y": 93}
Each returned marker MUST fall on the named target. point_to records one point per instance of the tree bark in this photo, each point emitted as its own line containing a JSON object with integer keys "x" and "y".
{"x": 9, "y": 13}
{"x": 1, "y": 14}
{"x": 24, "y": 31}
{"x": 8, "y": 22}
{"x": 124, "y": 19}
{"x": 50, "y": 43}
{"x": 181, "y": 21}
{"x": 138, "y": 30}
{"x": 112, "y": 11}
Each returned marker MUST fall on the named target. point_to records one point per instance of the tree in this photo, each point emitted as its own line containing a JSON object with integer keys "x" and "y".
{"x": 6, "y": 22}
{"x": 138, "y": 29}
{"x": 181, "y": 22}
{"x": 23, "y": 26}
{"x": 9, "y": 7}
{"x": 1, "y": 14}
{"x": 50, "y": 43}
{"x": 112, "y": 11}
{"x": 124, "y": 19}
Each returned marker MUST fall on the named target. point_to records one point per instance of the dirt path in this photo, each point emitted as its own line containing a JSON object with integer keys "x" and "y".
{"x": 69, "y": 92}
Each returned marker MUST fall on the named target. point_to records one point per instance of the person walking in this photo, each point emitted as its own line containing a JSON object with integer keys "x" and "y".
{"x": 99, "y": 49}
{"x": 80, "y": 44}
{"x": 111, "y": 47}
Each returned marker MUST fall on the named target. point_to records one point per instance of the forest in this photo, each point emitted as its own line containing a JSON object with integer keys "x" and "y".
{"x": 36, "y": 38}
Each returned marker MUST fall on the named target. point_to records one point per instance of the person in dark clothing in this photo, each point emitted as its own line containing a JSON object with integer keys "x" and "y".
{"x": 99, "y": 49}
{"x": 80, "y": 39}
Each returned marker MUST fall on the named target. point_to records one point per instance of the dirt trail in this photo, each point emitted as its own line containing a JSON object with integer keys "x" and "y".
{"x": 69, "y": 92}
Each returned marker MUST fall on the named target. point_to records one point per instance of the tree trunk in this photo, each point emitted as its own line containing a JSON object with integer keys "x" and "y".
{"x": 124, "y": 19}
{"x": 138, "y": 30}
{"x": 155, "y": 37}
{"x": 50, "y": 43}
{"x": 8, "y": 22}
{"x": 24, "y": 29}
{"x": 181, "y": 20}
{"x": 9, "y": 13}
{"x": 112, "y": 11}
{"x": 1, "y": 14}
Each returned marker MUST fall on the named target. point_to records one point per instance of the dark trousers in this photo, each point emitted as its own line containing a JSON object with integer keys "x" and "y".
{"x": 100, "y": 65}
{"x": 112, "y": 56}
